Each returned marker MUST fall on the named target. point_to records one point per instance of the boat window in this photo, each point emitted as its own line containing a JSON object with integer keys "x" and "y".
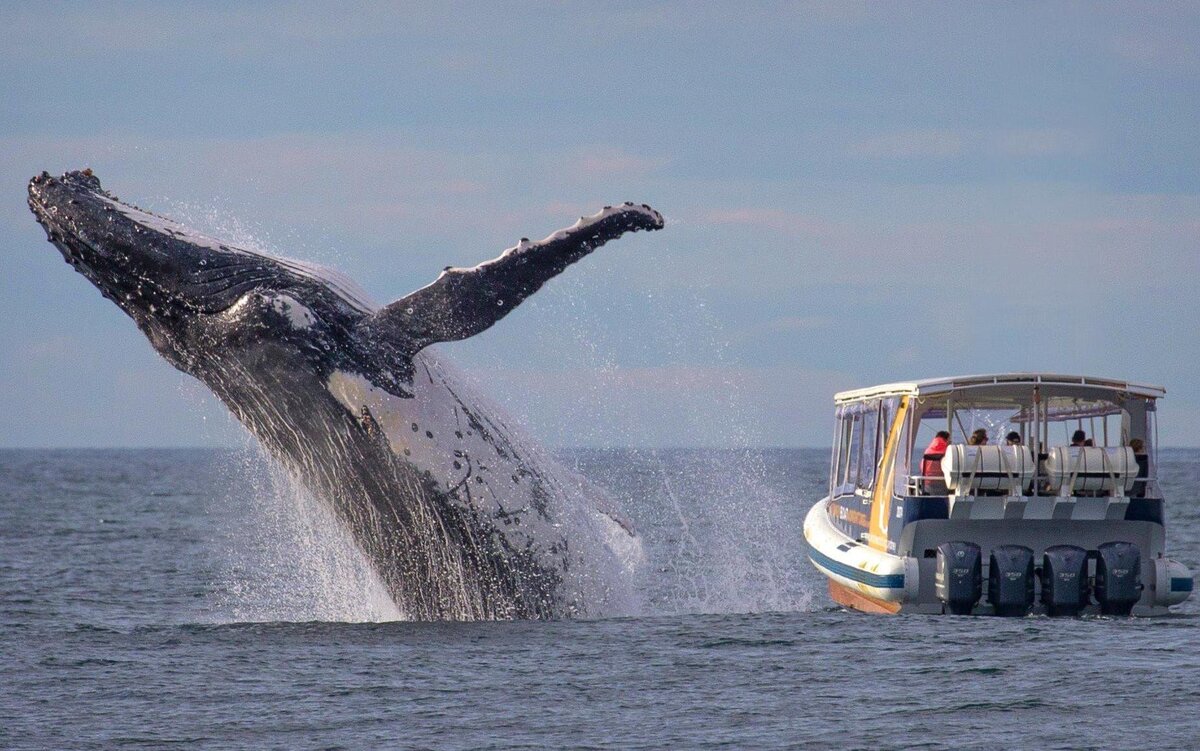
{"x": 1150, "y": 488}
{"x": 854, "y": 446}
{"x": 841, "y": 452}
{"x": 996, "y": 415}
{"x": 1104, "y": 422}
{"x": 835, "y": 453}
{"x": 869, "y": 446}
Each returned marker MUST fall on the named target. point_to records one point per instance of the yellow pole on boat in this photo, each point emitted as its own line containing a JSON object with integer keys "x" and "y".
{"x": 881, "y": 496}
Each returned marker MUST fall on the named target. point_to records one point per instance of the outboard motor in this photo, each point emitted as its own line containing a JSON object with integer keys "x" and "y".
{"x": 1010, "y": 580}
{"x": 1118, "y": 577}
{"x": 1064, "y": 580}
{"x": 959, "y": 580}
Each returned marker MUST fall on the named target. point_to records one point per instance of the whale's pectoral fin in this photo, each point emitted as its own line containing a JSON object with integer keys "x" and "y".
{"x": 463, "y": 302}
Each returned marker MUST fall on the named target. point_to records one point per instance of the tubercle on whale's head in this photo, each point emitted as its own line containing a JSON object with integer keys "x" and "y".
{"x": 167, "y": 278}
{"x": 147, "y": 265}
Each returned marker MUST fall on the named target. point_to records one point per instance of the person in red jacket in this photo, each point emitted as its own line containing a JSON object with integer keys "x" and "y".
{"x": 931, "y": 463}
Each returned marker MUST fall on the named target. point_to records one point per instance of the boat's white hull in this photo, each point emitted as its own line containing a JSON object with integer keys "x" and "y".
{"x": 864, "y": 578}
{"x": 888, "y": 580}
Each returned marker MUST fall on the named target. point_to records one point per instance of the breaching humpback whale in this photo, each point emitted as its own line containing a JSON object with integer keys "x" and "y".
{"x": 461, "y": 517}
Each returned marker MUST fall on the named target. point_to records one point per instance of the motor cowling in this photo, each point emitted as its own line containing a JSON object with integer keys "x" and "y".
{"x": 1173, "y": 583}
{"x": 959, "y": 579}
{"x": 1118, "y": 577}
{"x": 1064, "y": 580}
{"x": 1010, "y": 580}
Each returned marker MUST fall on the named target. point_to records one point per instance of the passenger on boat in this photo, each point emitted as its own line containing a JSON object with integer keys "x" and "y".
{"x": 1079, "y": 438}
{"x": 978, "y": 438}
{"x": 1143, "y": 462}
{"x": 931, "y": 463}
{"x": 1013, "y": 439}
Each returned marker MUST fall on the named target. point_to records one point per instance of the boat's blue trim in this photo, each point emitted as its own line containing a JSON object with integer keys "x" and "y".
{"x": 879, "y": 581}
{"x": 1182, "y": 584}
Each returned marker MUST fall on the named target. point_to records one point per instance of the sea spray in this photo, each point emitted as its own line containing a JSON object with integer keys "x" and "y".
{"x": 290, "y": 559}
{"x": 729, "y": 546}
{"x": 719, "y": 536}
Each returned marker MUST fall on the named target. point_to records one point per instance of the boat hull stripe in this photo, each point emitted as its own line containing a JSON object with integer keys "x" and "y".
{"x": 879, "y": 581}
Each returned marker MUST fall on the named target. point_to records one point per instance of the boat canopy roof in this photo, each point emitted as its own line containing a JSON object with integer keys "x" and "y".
{"x": 1059, "y": 383}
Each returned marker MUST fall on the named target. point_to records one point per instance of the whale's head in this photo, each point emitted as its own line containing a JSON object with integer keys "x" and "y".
{"x": 181, "y": 288}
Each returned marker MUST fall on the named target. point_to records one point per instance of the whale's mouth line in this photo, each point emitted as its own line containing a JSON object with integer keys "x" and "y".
{"x": 105, "y": 238}
{"x": 80, "y": 252}
{"x": 76, "y": 249}
{"x": 140, "y": 295}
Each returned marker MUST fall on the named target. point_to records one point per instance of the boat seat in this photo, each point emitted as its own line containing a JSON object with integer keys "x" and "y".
{"x": 1075, "y": 470}
{"x": 974, "y": 470}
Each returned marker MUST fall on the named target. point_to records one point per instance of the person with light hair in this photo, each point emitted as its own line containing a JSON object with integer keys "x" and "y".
{"x": 1143, "y": 462}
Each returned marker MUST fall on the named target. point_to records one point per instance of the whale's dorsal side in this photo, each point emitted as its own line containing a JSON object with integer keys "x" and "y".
{"x": 461, "y": 302}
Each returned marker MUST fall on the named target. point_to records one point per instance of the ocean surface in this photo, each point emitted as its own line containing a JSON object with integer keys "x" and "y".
{"x": 198, "y": 599}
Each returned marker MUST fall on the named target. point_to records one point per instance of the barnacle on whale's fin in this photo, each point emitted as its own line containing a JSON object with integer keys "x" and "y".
{"x": 463, "y": 302}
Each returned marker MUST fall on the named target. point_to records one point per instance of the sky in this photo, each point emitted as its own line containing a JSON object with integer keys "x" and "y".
{"x": 854, "y": 193}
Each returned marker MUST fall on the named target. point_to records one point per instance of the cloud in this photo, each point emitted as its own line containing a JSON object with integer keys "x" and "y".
{"x": 237, "y": 30}
{"x": 779, "y": 220}
{"x": 683, "y": 16}
{"x": 1158, "y": 48}
{"x": 910, "y": 144}
{"x": 51, "y": 350}
{"x": 788, "y": 324}
{"x": 966, "y": 143}
{"x": 360, "y": 184}
{"x": 610, "y": 161}
{"x": 1035, "y": 142}
{"x": 1136, "y": 245}
{"x": 672, "y": 405}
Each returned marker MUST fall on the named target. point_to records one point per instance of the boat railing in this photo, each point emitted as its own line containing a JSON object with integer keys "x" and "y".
{"x": 935, "y": 486}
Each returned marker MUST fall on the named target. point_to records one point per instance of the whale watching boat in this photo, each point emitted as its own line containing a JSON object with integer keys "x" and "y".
{"x": 998, "y": 494}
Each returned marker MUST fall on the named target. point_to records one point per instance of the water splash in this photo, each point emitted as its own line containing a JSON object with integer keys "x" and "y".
{"x": 724, "y": 538}
{"x": 289, "y": 557}
{"x": 719, "y": 536}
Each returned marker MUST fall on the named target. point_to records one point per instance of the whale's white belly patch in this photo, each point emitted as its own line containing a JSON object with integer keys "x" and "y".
{"x": 432, "y": 432}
